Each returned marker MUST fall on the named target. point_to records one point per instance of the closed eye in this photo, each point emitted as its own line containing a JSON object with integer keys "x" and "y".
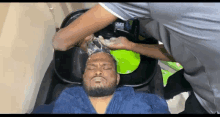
{"x": 107, "y": 68}
{"x": 91, "y": 67}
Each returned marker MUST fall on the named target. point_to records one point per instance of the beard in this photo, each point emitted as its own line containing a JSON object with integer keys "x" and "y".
{"x": 100, "y": 91}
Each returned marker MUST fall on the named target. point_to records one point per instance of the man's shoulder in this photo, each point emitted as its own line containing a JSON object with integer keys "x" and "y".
{"x": 73, "y": 89}
{"x": 141, "y": 102}
{"x": 139, "y": 94}
{"x": 137, "y": 97}
{"x": 44, "y": 109}
{"x": 147, "y": 97}
{"x": 157, "y": 103}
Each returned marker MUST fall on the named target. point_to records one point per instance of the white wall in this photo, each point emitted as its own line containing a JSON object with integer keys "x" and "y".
{"x": 90, "y": 4}
{"x": 26, "y": 31}
{"x": 26, "y": 52}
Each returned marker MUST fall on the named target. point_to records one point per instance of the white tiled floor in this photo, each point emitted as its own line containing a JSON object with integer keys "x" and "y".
{"x": 177, "y": 104}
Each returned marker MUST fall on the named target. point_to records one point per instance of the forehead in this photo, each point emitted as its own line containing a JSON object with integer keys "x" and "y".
{"x": 100, "y": 57}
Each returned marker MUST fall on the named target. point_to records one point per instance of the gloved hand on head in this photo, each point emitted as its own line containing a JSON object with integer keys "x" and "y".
{"x": 94, "y": 45}
{"x": 117, "y": 43}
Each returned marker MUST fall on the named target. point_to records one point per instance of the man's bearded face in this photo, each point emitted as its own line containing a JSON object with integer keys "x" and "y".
{"x": 100, "y": 77}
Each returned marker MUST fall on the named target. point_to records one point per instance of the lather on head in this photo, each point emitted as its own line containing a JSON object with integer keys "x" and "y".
{"x": 95, "y": 46}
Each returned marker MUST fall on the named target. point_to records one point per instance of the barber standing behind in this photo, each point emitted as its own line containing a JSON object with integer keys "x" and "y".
{"x": 189, "y": 31}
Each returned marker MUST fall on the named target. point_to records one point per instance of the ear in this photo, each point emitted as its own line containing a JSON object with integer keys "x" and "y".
{"x": 118, "y": 78}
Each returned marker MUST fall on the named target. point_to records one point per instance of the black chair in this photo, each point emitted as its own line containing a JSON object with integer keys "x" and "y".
{"x": 146, "y": 78}
{"x": 52, "y": 86}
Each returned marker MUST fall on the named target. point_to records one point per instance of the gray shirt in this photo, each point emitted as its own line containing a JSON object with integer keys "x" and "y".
{"x": 190, "y": 32}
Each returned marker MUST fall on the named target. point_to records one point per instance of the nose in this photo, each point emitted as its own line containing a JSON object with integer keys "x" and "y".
{"x": 98, "y": 72}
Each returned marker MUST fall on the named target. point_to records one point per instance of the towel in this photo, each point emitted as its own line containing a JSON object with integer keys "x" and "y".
{"x": 74, "y": 100}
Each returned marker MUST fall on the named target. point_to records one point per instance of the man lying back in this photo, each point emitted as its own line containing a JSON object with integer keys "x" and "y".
{"x": 99, "y": 93}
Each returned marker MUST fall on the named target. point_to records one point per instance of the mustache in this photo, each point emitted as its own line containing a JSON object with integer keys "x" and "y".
{"x": 98, "y": 76}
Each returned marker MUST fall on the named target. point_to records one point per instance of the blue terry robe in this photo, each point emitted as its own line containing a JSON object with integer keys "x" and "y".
{"x": 74, "y": 100}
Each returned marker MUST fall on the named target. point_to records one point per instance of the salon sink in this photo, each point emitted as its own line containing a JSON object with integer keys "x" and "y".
{"x": 67, "y": 67}
{"x": 70, "y": 64}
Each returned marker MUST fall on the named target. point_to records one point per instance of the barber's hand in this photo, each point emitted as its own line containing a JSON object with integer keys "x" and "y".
{"x": 117, "y": 43}
{"x": 83, "y": 44}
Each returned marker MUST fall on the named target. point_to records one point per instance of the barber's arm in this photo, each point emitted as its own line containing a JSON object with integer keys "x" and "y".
{"x": 88, "y": 23}
{"x": 151, "y": 50}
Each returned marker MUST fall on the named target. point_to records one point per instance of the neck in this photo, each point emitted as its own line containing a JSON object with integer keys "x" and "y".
{"x": 100, "y": 103}
{"x": 105, "y": 98}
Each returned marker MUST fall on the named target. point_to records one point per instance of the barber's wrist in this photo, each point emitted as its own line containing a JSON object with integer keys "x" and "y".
{"x": 131, "y": 45}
